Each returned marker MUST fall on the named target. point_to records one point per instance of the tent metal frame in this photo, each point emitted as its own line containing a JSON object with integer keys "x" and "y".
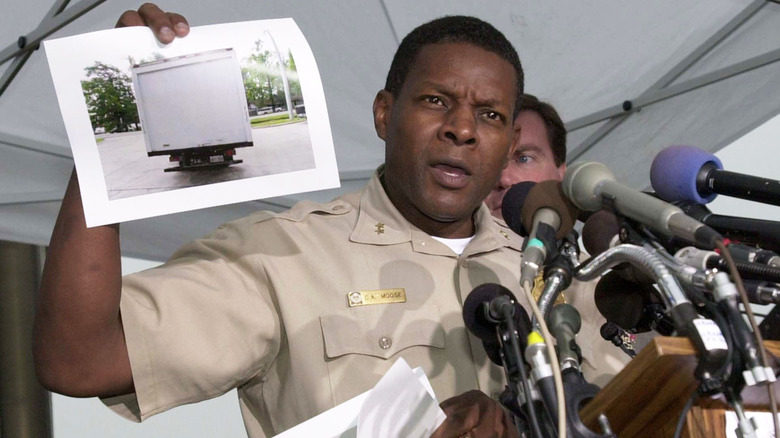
{"x": 662, "y": 89}
{"x": 59, "y": 16}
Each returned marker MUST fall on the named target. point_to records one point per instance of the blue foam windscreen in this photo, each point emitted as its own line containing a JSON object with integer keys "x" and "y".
{"x": 674, "y": 171}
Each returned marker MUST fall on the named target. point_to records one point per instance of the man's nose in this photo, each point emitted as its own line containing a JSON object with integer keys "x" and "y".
{"x": 461, "y": 127}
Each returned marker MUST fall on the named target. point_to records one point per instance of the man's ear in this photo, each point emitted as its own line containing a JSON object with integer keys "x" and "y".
{"x": 383, "y": 105}
{"x": 561, "y": 170}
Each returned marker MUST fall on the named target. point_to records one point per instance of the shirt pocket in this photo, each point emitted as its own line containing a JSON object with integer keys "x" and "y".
{"x": 381, "y": 330}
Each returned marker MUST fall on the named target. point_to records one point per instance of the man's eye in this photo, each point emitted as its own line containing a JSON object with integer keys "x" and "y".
{"x": 434, "y": 100}
{"x": 522, "y": 159}
{"x": 493, "y": 115}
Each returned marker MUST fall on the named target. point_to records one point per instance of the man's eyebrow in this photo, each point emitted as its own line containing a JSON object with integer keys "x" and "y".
{"x": 528, "y": 147}
{"x": 488, "y": 103}
{"x": 442, "y": 88}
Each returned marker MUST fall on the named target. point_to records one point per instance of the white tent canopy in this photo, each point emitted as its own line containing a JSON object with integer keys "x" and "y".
{"x": 699, "y": 73}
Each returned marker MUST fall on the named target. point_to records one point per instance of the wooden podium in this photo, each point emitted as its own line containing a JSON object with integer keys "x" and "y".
{"x": 646, "y": 398}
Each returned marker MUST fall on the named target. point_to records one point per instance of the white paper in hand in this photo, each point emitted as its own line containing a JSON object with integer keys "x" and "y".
{"x": 400, "y": 405}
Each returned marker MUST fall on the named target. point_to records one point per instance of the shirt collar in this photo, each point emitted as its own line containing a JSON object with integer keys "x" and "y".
{"x": 380, "y": 223}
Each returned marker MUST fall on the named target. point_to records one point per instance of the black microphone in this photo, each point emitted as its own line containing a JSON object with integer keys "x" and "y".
{"x": 481, "y": 312}
{"x": 754, "y": 231}
{"x": 762, "y": 292}
{"x": 686, "y": 173}
{"x": 512, "y": 205}
{"x": 751, "y": 254}
{"x": 636, "y": 308}
{"x": 601, "y": 232}
{"x": 592, "y": 186}
{"x": 613, "y": 333}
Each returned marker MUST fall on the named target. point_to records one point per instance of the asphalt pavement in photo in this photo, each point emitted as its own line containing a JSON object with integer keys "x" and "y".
{"x": 129, "y": 171}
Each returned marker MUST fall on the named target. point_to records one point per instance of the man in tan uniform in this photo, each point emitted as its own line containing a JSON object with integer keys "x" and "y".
{"x": 304, "y": 309}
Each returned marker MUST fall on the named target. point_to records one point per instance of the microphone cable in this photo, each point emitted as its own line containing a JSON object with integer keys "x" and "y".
{"x": 556, "y": 369}
{"x": 751, "y": 318}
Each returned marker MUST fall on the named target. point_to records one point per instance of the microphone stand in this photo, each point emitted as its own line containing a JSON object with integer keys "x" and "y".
{"x": 500, "y": 311}
{"x": 565, "y": 323}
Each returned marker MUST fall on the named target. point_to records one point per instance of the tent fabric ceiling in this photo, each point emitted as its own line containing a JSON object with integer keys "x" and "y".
{"x": 583, "y": 57}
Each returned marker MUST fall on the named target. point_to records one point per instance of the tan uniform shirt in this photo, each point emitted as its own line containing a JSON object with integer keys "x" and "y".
{"x": 261, "y": 305}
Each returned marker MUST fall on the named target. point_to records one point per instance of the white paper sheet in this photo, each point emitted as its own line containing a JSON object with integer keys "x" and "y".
{"x": 402, "y": 404}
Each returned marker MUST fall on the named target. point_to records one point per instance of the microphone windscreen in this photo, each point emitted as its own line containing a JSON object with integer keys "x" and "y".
{"x": 623, "y": 302}
{"x": 674, "y": 172}
{"x": 512, "y": 205}
{"x": 549, "y": 194}
{"x": 600, "y": 232}
{"x": 474, "y": 314}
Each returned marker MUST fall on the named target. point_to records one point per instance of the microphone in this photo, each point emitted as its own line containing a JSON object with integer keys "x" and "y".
{"x": 565, "y": 322}
{"x": 762, "y": 292}
{"x": 512, "y": 204}
{"x": 492, "y": 314}
{"x": 613, "y": 333}
{"x": 710, "y": 259}
{"x": 751, "y": 254}
{"x": 636, "y": 308}
{"x": 601, "y": 232}
{"x": 592, "y": 186}
{"x": 481, "y": 314}
{"x": 754, "y": 231}
{"x": 686, "y": 173}
{"x": 549, "y": 216}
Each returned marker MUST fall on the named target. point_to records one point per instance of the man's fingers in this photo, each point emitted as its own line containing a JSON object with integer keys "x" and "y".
{"x": 477, "y": 415}
{"x": 158, "y": 21}
{"x": 165, "y": 25}
{"x": 465, "y": 399}
{"x": 180, "y": 25}
{"x": 493, "y": 423}
{"x": 130, "y": 18}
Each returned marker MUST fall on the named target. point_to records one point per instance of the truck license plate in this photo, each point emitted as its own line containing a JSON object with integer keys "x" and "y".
{"x": 217, "y": 159}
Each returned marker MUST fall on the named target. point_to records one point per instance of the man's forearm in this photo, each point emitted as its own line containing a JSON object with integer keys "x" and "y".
{"x": 79, "y": 344}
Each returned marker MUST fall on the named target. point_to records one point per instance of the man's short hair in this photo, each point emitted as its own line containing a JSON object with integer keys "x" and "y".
{"x": 452, "y": 29}
{"x": 556, "y": 132}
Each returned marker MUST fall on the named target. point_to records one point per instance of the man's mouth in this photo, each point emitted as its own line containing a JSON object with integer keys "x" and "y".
{"x": 451, "y": 175}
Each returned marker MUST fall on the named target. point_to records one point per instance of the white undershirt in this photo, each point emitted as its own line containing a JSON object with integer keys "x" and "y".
{"x": 456, "y": 245}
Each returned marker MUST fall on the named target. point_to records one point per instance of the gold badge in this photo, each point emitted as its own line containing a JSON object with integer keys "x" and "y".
{"x": 381, "y": 296}
{"x": 539, "y": 288}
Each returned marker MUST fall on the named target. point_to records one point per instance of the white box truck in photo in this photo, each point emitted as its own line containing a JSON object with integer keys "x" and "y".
{"x": 193, "y": 108}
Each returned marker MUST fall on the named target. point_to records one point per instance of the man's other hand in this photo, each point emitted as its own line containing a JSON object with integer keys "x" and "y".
{"x": 165, "y": 25}
{"x": 474, "y": 414}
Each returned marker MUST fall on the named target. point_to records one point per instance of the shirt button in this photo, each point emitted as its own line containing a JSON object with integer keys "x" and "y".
{"x": 464, "y": 263}
{"x": 338, "y": 207}
{"x": 385, "y": 342}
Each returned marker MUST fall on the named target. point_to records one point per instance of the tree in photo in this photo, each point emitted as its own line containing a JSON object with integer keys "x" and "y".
{"x": 110, "y": 100}
{"x": 262, "y": 78}
{"x": 292, "y": 78}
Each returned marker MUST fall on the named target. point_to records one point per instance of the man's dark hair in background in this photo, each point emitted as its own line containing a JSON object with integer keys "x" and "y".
{"x": 556, "y": 132}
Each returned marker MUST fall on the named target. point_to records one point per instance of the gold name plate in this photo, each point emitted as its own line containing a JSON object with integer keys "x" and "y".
{"x": 381, "y": 296}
